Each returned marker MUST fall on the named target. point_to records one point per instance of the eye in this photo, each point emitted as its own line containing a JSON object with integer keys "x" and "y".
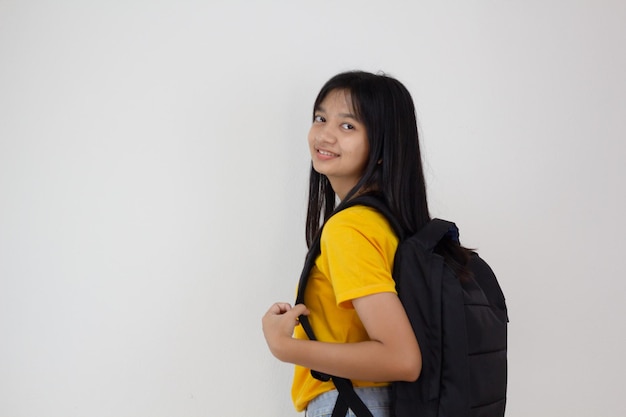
{"x": 318, "y": 119}
{"x": 347, "y": 126}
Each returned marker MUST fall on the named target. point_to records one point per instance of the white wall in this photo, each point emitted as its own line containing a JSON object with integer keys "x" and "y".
{"x": 153, "y": 174}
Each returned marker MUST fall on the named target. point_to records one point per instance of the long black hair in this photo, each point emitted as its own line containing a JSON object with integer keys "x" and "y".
{"x": 394, "y": 168}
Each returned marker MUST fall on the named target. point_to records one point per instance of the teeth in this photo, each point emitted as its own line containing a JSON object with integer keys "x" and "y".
{"x": 326, "y": 153}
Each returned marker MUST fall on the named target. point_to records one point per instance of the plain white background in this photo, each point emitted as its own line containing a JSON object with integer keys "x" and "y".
{"x": 153, "y": 174}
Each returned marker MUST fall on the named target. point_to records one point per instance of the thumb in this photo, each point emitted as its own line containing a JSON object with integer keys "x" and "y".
{"x": 300, "y": 310}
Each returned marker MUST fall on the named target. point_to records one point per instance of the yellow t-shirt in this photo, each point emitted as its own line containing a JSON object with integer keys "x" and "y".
{"x": 357, "y": 252}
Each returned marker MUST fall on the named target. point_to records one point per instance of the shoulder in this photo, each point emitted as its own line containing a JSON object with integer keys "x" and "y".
{"x": 362, "y": 220}
{"x": 357, "y": 216}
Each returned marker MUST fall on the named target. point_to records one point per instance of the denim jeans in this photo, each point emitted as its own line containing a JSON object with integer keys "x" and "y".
{"x": 377, "y": 399}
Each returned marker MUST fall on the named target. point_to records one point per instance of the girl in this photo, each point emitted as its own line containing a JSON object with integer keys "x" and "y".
{"x": 363, "y": 139}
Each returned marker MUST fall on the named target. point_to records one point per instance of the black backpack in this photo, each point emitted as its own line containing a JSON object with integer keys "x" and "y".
{"x": 461, "y": 327}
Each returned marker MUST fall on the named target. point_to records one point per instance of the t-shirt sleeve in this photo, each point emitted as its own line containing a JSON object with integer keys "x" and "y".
{"x": 358, "y": 257}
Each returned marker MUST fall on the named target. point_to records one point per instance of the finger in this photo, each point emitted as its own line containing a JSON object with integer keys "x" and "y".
{"x": 300, "y": 310}
{"x": 279, "y": 308}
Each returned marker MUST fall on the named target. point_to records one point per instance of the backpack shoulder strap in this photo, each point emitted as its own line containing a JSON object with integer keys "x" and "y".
{"x": 347, "y": 396}
{"x": 377, "y": 203}
{"x": 314, "y": 251}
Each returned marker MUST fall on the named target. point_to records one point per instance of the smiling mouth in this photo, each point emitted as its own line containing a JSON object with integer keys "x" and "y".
{"x": 326, "y": 153}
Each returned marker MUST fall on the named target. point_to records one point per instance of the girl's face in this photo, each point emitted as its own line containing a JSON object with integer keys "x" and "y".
{"x": 338, "y": 142}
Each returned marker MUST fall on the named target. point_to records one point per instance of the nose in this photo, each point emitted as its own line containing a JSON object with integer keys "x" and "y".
{"x": 325, "y": 134}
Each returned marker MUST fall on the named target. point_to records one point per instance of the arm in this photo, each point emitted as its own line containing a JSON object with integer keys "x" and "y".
{"x": 391, "y": 354}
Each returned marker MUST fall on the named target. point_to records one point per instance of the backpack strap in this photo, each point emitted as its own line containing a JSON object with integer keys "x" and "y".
{"x": 376, "y": 202}
{"x": 347, "y": 398}
{"x": 309, "y": 261}
{"x": 368, "y": 200}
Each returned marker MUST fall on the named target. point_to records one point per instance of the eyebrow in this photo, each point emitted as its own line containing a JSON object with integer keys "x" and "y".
{"x": 348, "y": 115}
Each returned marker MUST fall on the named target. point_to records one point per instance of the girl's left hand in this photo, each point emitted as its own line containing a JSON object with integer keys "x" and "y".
{"x": 279, "y": 323}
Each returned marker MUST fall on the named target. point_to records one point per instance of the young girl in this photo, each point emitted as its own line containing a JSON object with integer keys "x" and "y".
{"x": 363, "y": 139}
